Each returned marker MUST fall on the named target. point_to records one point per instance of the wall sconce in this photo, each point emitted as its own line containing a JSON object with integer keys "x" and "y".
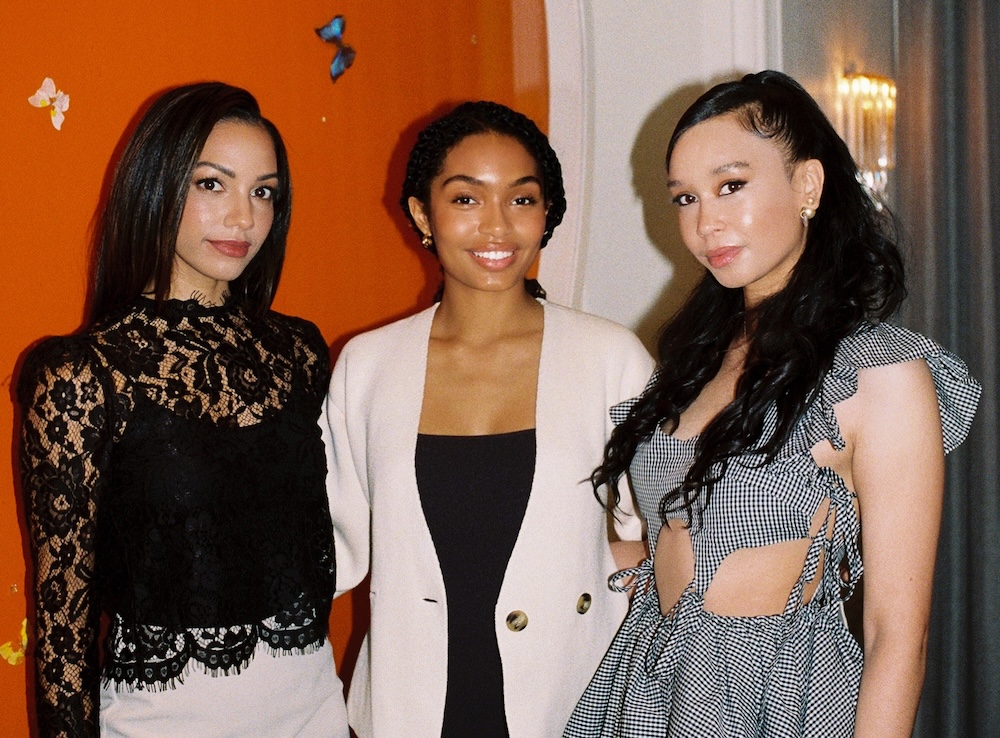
{"x": 866, "y": 112}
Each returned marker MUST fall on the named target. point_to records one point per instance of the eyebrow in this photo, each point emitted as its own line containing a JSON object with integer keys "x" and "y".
{"x": 230, "y": 173}
{"x": 478, "y": 182}
{"x": 729, "y": 167}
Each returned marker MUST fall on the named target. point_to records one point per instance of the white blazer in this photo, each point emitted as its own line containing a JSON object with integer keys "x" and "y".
{"x": 558, "y": 571}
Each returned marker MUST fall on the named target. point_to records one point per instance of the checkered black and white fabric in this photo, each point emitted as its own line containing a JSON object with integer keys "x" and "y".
{"x": 698, "y": 674}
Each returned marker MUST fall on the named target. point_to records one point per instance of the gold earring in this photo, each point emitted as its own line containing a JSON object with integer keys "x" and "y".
{"x": 427, "y": 241}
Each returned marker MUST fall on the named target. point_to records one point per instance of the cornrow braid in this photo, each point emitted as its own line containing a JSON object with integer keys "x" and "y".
{"x": 469, "y": 119}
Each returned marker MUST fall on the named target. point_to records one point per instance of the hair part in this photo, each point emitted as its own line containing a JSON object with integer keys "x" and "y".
{"x": 137, "y": 230}
{"x": 850, "y": 272}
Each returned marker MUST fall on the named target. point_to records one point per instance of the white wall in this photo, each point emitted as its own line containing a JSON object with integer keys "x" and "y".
{"x": 620, "y": 73}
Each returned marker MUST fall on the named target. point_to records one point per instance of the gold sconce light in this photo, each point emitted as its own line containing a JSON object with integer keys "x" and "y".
{"x": 866, "y": 112}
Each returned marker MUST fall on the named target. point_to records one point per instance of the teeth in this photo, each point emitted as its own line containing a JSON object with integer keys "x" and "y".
{"x": 493, "y": 255}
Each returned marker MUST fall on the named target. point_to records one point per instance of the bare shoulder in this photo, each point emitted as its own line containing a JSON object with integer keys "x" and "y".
{"x": 895, "y": 404}
{"x": 904, "y": 383}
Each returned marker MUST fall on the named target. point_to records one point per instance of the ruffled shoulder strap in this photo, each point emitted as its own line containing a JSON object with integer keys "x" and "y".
{"x": 883, "y": 344}
{"x": 620, "y": 411}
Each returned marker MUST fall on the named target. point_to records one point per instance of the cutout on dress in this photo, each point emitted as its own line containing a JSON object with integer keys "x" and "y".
{"x": 749, "y": 582}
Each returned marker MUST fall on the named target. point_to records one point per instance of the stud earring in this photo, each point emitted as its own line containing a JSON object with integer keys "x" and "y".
{"x": 427, "y": 241}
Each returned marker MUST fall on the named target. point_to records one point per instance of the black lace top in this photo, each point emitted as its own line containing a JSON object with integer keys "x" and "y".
{"x": 175, "y": 479}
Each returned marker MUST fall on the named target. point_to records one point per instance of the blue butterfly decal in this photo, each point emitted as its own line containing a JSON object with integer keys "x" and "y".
{"x": 332, "y": 33}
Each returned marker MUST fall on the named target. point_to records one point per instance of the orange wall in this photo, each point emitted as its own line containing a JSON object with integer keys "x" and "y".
{"x": 351, "y": 263}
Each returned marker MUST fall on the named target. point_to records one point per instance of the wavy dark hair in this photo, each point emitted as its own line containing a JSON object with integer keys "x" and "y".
{"x": 469, "y": 119}
{"x": 849, "y": 273}
{"x": 137, "y": 230}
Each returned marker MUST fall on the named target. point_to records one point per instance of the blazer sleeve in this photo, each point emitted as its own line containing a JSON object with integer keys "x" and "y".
{"x": 636, "y": 368}
{"x": 346, "y": 482}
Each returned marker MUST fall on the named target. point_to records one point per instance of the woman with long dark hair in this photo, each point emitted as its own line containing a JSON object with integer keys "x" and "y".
{"x": 171, "y": 459}
{"x": 785, "y": 412}
{"x": 462, "y": 438}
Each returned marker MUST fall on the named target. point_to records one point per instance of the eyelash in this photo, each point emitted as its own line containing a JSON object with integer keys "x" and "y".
{"x": 263, "y": 192}
{"x": 523, "y": 200}
{"x": 728, "y": 188}
{"x": 201, "y": 183}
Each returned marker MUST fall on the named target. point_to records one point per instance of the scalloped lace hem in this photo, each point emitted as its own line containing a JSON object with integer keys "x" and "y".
{"x": 160, "y": 658}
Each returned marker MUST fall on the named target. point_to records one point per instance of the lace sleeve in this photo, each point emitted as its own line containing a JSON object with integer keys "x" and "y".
{"x": 312, "y": 355}
{"x": 65, "y": 444}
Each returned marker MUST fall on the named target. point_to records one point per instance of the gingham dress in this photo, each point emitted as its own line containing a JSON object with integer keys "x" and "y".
{"x": 698, "y": 674}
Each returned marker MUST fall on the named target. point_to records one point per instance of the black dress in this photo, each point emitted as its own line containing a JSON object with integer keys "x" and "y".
{"x": 474, "y": 491}
{"x": 175, "y": 480}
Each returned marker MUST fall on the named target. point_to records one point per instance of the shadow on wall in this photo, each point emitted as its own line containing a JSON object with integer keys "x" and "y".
{"x": 395, "y": 174}
{"x": 649, "y": 182}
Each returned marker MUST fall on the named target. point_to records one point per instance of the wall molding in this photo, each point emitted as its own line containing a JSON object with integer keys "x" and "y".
{"x": 561, "y": 267}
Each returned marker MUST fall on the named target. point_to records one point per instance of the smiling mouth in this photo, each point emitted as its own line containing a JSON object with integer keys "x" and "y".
{"x": 493, "y": 255}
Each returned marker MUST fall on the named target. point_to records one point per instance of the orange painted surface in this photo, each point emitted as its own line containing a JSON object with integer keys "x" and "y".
{"x": 352, "y": 264}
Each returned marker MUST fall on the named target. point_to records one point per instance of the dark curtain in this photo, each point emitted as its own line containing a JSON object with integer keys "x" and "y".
{"x": 948, "y": 197}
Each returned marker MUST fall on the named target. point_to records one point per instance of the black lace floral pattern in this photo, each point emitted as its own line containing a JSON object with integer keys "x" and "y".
{"x": 175, "y": 479}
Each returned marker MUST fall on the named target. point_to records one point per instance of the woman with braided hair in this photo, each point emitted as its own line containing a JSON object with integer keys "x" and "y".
{"x": 461, "y": 439}
{"x": 785, "y": 413}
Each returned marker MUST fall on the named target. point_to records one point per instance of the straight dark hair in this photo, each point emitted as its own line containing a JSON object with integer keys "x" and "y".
{"x": 849, "y": 273}
{"x": 137, "y": 230}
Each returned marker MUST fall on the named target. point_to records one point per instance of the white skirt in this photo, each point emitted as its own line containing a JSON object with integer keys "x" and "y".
{"x": 285, "y": 696}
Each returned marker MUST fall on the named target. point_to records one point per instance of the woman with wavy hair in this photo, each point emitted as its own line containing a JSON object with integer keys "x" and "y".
{"x": 171, "y": 459}
{"x": 785, "y": 412}
{"x": 461, "y": 441}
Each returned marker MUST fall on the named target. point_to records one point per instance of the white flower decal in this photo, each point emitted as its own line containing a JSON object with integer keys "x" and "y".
{"x": 48, "y": 97}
